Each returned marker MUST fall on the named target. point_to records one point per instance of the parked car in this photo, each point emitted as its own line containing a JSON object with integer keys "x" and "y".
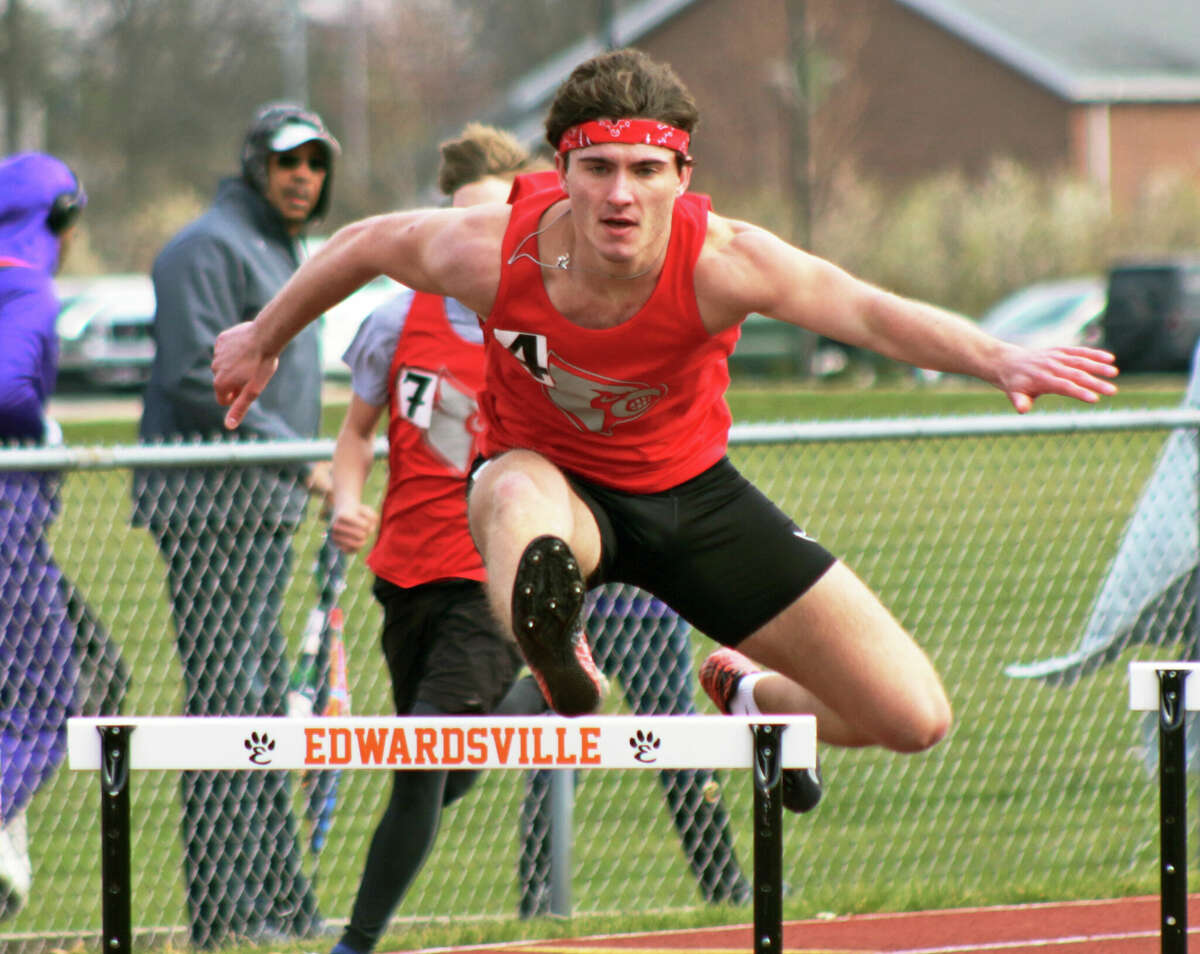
{"x": 1153, "y": 318}
{"x": 104, "y": 329}
{"x": 1050, "y": 314}
{"x": 768, "y": 347}
{"x": 339, "y": 324}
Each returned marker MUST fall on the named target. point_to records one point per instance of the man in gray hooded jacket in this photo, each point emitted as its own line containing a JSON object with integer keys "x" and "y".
{"x": 225, "y": 533}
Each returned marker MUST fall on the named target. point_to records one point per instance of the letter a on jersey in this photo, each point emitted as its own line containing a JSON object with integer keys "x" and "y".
{"x": 530, "y": 350}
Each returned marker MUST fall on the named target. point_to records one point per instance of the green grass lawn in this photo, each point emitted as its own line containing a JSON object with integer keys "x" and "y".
{"x": 989, "y": 549}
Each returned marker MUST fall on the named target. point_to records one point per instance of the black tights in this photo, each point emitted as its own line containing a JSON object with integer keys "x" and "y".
{"x": 408, "y": 829}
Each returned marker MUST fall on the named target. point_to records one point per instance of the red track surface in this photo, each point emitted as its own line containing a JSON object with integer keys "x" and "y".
{"x": 1120, "y": 926}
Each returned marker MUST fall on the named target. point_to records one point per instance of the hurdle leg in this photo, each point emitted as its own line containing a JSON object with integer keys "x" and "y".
{"x": 562, "y": 813}
{"x": 1172, "y": 776}
{"x": 117, "y": 925}
{"x": 768, "y": 840}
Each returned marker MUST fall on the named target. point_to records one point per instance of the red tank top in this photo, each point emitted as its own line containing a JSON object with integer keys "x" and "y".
{"x": 433, "y": 436}
{"x": 639, "y": 407}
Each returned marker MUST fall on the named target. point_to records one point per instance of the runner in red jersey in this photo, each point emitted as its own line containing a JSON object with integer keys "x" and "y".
{"x": 711, "y": 546}
{"x": 640, "y": 406}
{"x": 420, "y": 358}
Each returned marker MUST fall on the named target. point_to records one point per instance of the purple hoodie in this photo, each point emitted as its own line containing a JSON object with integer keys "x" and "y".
{"x": 29, "y": 251}
{"x": 36, "y": 669}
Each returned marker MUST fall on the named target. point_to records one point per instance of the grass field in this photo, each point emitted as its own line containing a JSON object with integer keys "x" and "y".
{"x": 989, "y": 549}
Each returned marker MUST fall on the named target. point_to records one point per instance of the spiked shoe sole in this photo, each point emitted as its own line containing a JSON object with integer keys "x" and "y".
{"x": 547, "y": 606}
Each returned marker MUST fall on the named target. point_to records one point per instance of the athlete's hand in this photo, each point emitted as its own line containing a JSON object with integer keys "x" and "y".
{"x": 240, "y": 370}
{"x": 1080, "y": 373}
{"x": 353, "y": 527}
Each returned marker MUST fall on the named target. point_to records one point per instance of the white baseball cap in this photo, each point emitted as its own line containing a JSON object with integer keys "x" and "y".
{"x": 295, "y": 133}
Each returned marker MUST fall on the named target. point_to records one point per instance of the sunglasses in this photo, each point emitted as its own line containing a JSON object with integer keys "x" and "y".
{"x": 289, "y": 160}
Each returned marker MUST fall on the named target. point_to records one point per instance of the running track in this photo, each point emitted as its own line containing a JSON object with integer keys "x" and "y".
{"x": 1120, "y": 926}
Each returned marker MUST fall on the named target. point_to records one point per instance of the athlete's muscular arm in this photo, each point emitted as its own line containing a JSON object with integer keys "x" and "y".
{"x": 453, "y": 252}
{"x": 745, "y": 269}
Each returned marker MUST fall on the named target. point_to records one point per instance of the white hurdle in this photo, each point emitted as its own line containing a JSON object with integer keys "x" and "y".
{"x": 1162, "y": 687}
{"x": 116, "y": 746}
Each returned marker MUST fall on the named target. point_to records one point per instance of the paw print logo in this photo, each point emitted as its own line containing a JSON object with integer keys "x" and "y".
{"x": 644, "y": 745}
{"x": 260, "y": 745}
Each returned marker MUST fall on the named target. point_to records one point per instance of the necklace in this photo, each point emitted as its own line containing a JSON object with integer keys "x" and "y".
{"x": 563, "y": 261}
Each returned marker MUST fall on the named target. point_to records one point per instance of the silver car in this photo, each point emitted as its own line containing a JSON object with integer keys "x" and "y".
{"x": 1049, "y": 314}
{"x": 105, "y": 327}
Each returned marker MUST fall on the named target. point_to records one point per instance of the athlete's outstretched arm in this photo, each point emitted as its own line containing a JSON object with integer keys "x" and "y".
{"x": 443, "y": 251}
{"x": 760, "y": 272}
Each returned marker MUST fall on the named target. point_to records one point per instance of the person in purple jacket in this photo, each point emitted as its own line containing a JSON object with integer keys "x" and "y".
{"x": 40, "y": 201}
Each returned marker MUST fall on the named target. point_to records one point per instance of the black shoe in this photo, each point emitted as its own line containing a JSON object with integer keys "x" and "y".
{"x": 547, "y": 610}
{"x": 801, "y": 789}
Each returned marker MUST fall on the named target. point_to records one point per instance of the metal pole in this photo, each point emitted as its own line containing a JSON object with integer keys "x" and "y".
{"x": 355, "y": 170}
{"x": 1172, "y": 774}
{"x": 768, "y": 841}
{"x": 15, "y": 75}
{"x": 117, "y": 926}
{"x": 295, "y": 53}
{"x": 562, "y": 810}
{"x": 606, "y": 21}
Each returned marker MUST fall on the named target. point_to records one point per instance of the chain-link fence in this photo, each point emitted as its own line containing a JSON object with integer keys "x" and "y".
{"x": 990, "y": 538}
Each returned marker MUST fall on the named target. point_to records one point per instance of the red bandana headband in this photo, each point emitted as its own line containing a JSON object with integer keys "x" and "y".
{"x": 649, "y": 132}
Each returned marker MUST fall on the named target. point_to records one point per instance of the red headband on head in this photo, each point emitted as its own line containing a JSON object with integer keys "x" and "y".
{"x": 649, "y": 132}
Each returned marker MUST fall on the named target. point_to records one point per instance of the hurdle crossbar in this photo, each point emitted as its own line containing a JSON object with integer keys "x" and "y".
{"x": 1162, "y": 687}
{"x": 116, "y": 746}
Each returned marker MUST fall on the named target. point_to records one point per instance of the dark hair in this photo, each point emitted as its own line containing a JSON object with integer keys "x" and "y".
{"x": 66, "y": 208}
{"x": 477, "y": 152}
{"x": 256, "y": 147}
{"x": 621, "y": 84}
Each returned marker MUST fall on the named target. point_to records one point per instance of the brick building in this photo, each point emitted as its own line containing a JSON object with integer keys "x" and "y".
{"x": 901, "y": 89}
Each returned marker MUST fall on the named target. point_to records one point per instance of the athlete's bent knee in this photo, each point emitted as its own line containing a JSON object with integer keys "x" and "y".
{"x": 504, "y": 499}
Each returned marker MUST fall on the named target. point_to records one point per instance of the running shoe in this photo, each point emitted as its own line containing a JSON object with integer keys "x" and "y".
{"x": 547, "y": 611}
{"x": 16, "y": 872}
{"x": 720, "y": 674}
{"x": 802, "y": 789}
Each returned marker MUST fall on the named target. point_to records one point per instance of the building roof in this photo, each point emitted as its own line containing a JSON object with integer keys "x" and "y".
{"x": 1101, "y": 51}
{"x": 1085, "y": 50}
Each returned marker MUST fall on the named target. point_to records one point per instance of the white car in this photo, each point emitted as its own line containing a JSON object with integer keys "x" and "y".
{"x": 1050, "y": 314}
{"x": 105, "y": 327}
{"x": 339, "y": 324}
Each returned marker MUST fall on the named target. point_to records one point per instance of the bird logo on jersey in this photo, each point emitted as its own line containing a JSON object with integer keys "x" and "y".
{"x": 444, "y": 409}
{"x": 591, "y": 401}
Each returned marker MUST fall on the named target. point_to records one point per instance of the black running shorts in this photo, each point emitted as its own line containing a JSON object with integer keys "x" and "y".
{"x": 714, "y": 548}
{"x": 443, "y": 647}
